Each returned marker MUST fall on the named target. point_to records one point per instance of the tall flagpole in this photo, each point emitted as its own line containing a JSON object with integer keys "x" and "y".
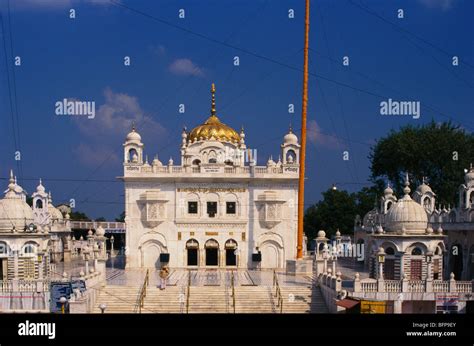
{"x": 299, "y": 249}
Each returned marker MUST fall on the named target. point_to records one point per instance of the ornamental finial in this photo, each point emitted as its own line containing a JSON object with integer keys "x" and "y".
{"x": 213, "y": 101}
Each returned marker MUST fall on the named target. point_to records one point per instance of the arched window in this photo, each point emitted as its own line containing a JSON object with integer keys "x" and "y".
{"x": 290, "y": 156}
{"x": 132, "y": 155}
{"x": 389, "y": 204}
{"x": 427, "y": 202}
{"x": 438, "y": 251}
{"x": 29, "y": 249}
{"x": 3, "y": 248}
{"x": 196, "y": 162}
{"x": 212, "y": 160}
{"x": 390, "y": 251}
{"x": 416, "y": 251}
{"x": 229, "y": 162}
{"x": 39, "y": 204}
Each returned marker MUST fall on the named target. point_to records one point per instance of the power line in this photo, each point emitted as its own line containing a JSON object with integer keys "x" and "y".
{"x": 260, "y": 56}
{"x": 15, "y": 140}
{"x": 373, "y": 13}
{"x": 14, "y": 93}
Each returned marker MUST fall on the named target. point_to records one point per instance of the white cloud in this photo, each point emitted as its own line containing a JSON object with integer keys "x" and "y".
{"x": 185, "y": 67}
{"x": 316, "y": 137}
{"x": 115, "y": 116}
{"x": 442, "y": 4}
{"x": 93, "y": 155}
{"x": 113, "y": 119}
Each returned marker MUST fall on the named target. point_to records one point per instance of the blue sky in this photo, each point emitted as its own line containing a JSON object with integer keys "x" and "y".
{"x": 175, "y": 63}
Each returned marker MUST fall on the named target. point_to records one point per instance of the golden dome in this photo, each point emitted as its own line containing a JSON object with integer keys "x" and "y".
{"x": 213, "y": 128}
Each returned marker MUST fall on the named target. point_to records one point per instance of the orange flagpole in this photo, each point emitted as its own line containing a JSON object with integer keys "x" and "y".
{"x": 299, "y": 249}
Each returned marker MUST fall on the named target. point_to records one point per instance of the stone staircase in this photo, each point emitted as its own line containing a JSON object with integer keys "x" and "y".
{"x": 210, "y": 299}
{"x": 254, "y": 299}
{"x": 303, "y": 299}
{"x": 118, "y": 299}
{"x": 170, "y": 300}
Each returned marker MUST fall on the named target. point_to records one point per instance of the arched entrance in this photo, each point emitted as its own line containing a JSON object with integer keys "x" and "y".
{"x": 150, "y": 254}
{"x": 212, "y": 252}
{"x": 231, "y": 252}
{"x": 192, "y": 250}
{"x": 270, "y": 254}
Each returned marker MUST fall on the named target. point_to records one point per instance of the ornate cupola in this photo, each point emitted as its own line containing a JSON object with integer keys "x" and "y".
{"x": 213, "y": 128}
{"x": 290, "y": 149}
{"x": 133, "y": 148}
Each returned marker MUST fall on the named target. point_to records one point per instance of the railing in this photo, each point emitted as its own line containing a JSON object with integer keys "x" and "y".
{"x": 369, "y": 286}
{"x": 392, "y": 286}
{"x": 188, "y": 292}
{"x": 6, "y": 286}
{"x": 463, "y": 287}
{"x": 416, "y": 286}
{"x": 277, "y": 292}
{"x": 95, "y": 224}
{"x": 230, "y": 170}
{"x": 440, "y": 286}
{"x": 142, "y": 295}
{"x": 233, "y": 289}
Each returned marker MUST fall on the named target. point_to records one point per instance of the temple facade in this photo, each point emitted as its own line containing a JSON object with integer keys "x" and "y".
{"x": 216, "y": 207}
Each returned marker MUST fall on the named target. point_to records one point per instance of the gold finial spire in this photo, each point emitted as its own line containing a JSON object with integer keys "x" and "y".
{"x": 213, "y": 101}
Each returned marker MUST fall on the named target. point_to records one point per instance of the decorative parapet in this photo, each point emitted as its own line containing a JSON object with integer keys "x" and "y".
{"x": 411, "y": 286}
{"x": 134, "y": 169}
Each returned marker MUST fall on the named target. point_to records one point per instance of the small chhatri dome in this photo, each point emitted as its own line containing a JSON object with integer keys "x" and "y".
{"x": 100, "y": 231}
{"x": 406, "y": 214}
{"x": 290, "y": 137}
{"x": 388, "y": 190}
{"x": 423, "y": 188}
{"x": 213, "y": 128}
{"x": 469, "y": 177}
{"x": 133, "y": 135}
{"x": 40, "y": 188}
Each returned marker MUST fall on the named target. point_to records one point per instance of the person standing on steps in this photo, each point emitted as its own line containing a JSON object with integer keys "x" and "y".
{"x": 164, "y": 272}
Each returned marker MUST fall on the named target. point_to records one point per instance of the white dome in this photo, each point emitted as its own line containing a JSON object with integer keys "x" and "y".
{"x": 370, "y": 218}
{"x": 100, "y": 231}
{"x": 14, "y": 211}
{"x": 54, "y": 212}
{"x": 134, "y": 136}
{"x": 469, "y": 177}
{"x": 290, "y": 138}
{"x": 423, "y": 188}
{"x": 406, "y": 214}
{"x": 388, "y": 190}
{"x": 40, "y": 188}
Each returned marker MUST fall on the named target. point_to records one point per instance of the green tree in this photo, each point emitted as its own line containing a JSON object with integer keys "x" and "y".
{"x": 335, "y": 211}
{"x": 101, "y": 219}
{"x": 78, "y": 216}
{"x": 121, "y": 218}
{"x": 439, "y": 152}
